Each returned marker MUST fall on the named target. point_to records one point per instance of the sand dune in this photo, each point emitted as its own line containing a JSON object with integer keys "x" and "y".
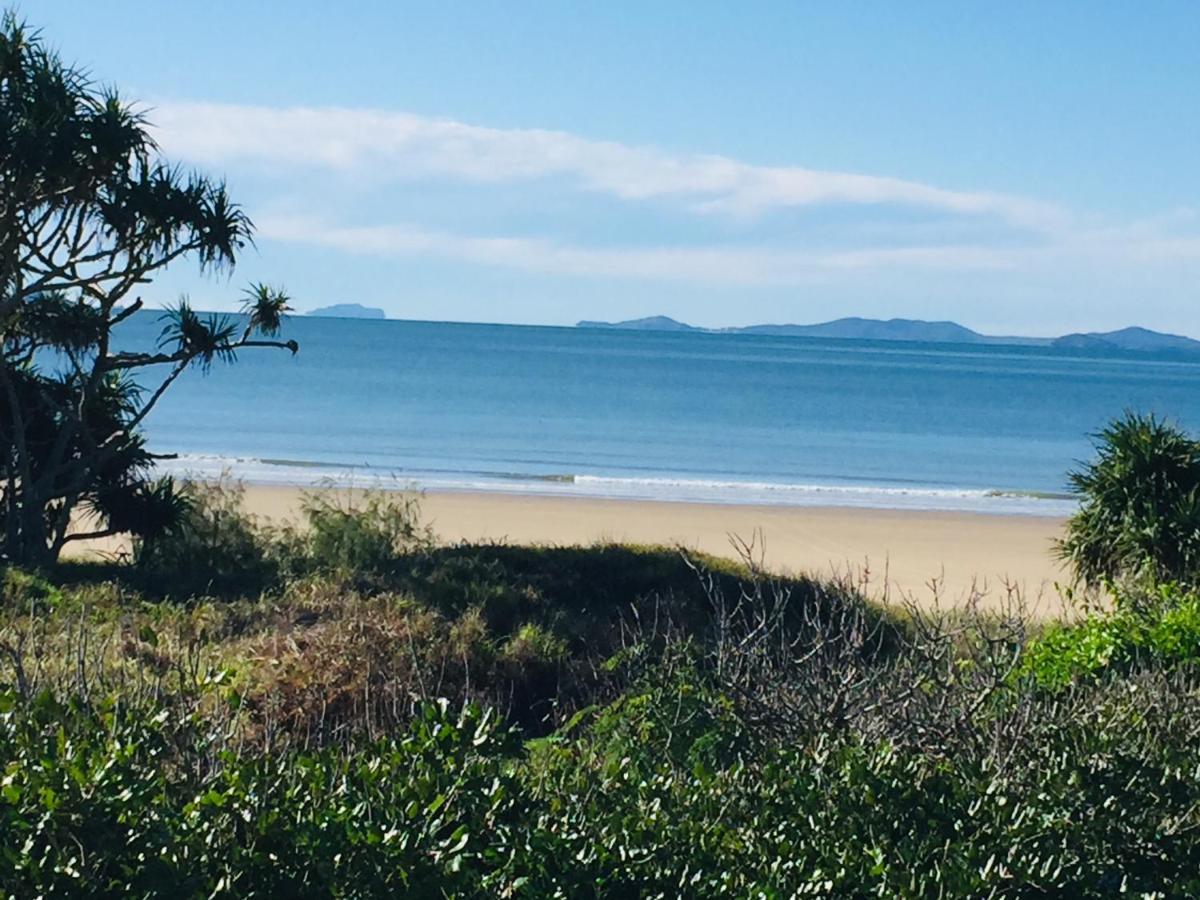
{"x": 895, "y": 553}
{"x": 906, "y": 550}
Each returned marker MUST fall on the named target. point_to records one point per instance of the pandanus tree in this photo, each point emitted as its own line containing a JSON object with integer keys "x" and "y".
{"x": 89, "y": 213}
{"x": 1139, "y": 512}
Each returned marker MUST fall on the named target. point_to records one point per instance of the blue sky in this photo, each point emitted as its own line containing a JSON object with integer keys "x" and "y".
{"x": 1018, "y": 167}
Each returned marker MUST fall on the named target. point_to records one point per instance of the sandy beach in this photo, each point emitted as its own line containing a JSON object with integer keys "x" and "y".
{"x": 897, "y": 554}
{"x": 910, "y": 554}
{"x": 905, "y": 550}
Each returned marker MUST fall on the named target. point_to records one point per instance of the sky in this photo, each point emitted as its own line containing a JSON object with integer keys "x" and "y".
{"x": 1019, "y": 167}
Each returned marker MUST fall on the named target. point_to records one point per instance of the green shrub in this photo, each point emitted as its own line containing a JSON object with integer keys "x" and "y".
{"x": 355, "y": 534}
{"x": 584, "y": 594}
{"x": 216, "y": 549}
{"x": 24, "y": 591}
{"x": 130, "y": 802}
{"x": 1089, "y": 802}
{"x": 1163, "y": 629}
{"x": 1175, "y": 636}
{"x": 413, "y": 815}
{"x": 533, "y": 644}
{"x": 669, "y": 790}
{"x": 1065, "y": 653}
{"x": 1140, "y": 505}
{"x": 707, "y": 743}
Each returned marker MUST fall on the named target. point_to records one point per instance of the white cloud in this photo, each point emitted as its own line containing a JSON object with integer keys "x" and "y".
{"x": 976, "y": 233}
{"x": 392, "y": 145}
{"x": 738, "y": 266}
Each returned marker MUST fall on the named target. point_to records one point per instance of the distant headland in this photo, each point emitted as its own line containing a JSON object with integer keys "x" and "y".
{"x": 1142, "y": 339}
{"x": 349, "y": 311}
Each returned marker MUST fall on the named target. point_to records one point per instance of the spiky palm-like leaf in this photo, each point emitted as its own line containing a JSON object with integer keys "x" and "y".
{"x": 147, "y": 510}
{"x": 265, "y": 308}
{"x": 1140, "y": 504}
{"x": 202, "y": 339}
{"x": 52, "y": 319}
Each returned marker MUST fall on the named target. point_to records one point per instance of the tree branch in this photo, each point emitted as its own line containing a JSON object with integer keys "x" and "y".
{"x": 125, "y": 313}
{"x": 89, "y": 535}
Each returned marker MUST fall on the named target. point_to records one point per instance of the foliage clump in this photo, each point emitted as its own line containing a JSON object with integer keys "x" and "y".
{"x": 1161, "y": 627}
{"x": 356, "y": 533}
{"x": 213, "y": 547}
{"x": 389, "y": 717}
{"x": 1139, "y": 512}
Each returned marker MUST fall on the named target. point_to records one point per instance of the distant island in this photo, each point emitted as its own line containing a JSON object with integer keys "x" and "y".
{"x": 1139, "y": 339}
{"x": 349, "y": 311}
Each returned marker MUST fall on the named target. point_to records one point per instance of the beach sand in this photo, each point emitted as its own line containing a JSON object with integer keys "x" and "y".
{"x": 902, "y": 554}
{"x": 910, "y": 550}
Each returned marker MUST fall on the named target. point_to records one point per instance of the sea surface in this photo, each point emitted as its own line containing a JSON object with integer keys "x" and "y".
{"x": 718, "y": 418}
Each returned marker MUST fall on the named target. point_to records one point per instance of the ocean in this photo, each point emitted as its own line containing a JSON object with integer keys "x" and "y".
{"x": 719, "y": 418}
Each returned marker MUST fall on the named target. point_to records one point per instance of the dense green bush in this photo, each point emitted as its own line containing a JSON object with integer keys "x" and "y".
{"x": 26, "y": 590}
{"x": 523, "y": 629}
{"x": 586, "y": 594}
{"x": 666, "y": 792}
{"x": 216, "y": 547}
{"x": 1161, "y": 629}
{"x": 1140, "y": 505}
{"x": 130, "y": 802}
{"x": 356, "y": 534}
{"x": 1091, "y": 802}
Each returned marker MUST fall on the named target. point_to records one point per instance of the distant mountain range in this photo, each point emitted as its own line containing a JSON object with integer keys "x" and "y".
{"x": 918, "y": 330}
{"x": 349, "y": 311}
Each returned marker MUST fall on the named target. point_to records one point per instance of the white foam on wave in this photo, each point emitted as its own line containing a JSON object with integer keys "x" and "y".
{"x": 784, "y": 487}
{"x": 684, "y": 490}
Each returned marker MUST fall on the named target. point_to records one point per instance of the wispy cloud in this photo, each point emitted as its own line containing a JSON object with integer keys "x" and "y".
{"x": 970, "y": 231}
{"x": 395, "y": 145}
{"x": 747, "y": 266}
{"x": 724, "y": 265}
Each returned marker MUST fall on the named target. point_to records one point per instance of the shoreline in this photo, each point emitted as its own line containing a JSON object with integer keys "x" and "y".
{"x": 895, "y": 554}
{"x": 312, "y": 475}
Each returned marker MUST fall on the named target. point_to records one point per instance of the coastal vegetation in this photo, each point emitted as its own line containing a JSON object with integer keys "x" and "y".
{"x": 1140, "y": 510}
{"x": 345, "y": 706}
{"x": 89, "y": 214}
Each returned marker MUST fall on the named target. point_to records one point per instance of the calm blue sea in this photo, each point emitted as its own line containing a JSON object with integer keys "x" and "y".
{"x": 697, "y": 417}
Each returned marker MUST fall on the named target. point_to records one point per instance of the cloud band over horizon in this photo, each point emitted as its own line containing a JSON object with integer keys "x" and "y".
{"x": 752, "y": 226}
{"x": 386, "y": 145}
